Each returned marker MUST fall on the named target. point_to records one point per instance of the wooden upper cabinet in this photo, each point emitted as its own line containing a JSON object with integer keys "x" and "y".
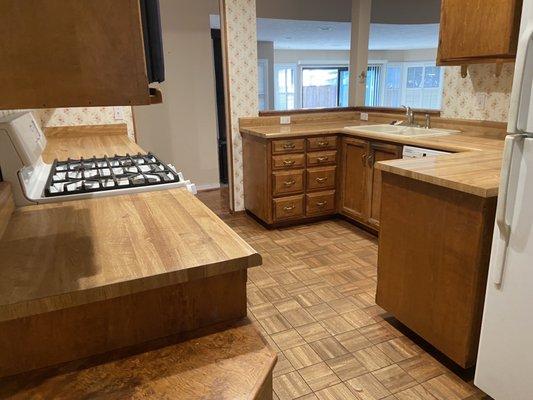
{"x": 353, "y": 183}
{"x": 478, "y": 30}
{"x": 58, "y": 53}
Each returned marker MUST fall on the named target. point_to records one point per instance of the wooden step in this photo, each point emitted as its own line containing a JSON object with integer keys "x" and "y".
{"x": 233, "y": 364}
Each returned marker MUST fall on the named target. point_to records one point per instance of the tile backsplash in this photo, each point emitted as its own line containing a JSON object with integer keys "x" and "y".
{"x": 481, "y": 95}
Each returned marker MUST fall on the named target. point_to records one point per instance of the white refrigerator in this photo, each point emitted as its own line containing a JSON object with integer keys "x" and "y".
{"x": 505, "y": 359}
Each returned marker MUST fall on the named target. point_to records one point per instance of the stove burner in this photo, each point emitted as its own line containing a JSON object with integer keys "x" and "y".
{"x": 107, "y": 173}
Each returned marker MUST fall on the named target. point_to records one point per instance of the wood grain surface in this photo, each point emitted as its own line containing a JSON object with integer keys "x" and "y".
{"x": 67, "y": 254}
{"x": 432, "y": 266}
{"x": 73, "y": 333}
{"x": 88, "y": 141}
{"x": 86, "y": 69}
{"x": 233, "y": 364}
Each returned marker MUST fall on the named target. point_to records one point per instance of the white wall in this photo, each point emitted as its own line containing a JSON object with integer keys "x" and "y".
{"x": 265, "y": 51}
{"x": 183, "y": 129}
{"x": 312, "y": 56}
{"x": 405, "y": 11}
{"x": 403, "y": 55}
{"x": 307, "y": 10}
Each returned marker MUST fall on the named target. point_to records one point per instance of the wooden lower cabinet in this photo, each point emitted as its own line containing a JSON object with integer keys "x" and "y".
{"x": 433, "y": 259}
{"x": 286, "y": 208}
{"x": 294, "y": 179}
{"x": 379, "y": 152}
{"x": 320, "y": 203}
{"x": 353, "y": 182}
{"x": 321, "y": 178}
{"x": 287, "y": 182}
{"x": 360, "y": 182}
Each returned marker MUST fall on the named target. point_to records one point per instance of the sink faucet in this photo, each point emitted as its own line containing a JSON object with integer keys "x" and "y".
{"x": 410, "y": 114}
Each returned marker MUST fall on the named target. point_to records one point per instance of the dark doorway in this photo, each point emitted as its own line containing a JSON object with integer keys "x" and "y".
{"x": 221, "y": 106}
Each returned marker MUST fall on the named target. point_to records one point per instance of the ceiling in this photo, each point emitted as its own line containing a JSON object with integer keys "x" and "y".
{"x": 320, "y": 35}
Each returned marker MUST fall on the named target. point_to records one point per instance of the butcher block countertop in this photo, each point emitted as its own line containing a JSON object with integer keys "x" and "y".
{"x": 474, "y": 169}
{"x": 66, "y": 254}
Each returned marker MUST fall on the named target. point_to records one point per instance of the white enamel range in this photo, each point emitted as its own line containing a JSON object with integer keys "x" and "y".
{"x": 34, "y": 181}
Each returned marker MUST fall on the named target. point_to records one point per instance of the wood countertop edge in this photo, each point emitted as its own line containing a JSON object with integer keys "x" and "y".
{"x": 26, "y": 308}
{"x": 447, "y": 183}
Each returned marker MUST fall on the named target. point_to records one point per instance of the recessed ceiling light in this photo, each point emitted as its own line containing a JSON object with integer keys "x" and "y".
{"x": 325, "y": 28}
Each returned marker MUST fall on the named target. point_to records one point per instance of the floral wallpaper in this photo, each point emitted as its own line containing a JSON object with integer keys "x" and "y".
{"x": 86, "y": 116}
{"x": 459, "y": 94}
{"x": 242, "y": 72}
{"x": 79, "y": 116}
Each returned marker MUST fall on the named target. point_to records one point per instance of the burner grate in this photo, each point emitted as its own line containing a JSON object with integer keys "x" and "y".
{"x": 76, "y": 176}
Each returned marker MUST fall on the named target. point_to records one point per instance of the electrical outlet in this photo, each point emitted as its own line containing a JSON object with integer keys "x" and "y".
{"x": 481, "y": 100}
{"x": 285, "y": 120}
{"x": 119, "y": 113}
{"x": 364, "y": 116}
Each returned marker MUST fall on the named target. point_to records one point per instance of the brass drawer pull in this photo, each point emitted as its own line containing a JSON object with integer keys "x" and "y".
{"x": 289, "y": 183}
{"x": 323, "y": 143}
{"x": 289, "y": 208}
{"x": 321, "y": 203}
{"x": 289, "y": 146}
{"x": 323, "y": 158}
{"x": 288, "y": 163}
{"x": 322, "y": 180}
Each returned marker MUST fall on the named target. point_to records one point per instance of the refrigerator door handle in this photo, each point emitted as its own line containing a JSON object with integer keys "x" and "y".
{"x": 501, "y": 211}
{"x": 518, "y": 113}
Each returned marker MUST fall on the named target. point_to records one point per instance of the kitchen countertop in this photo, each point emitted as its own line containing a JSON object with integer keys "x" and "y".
{"x": 474, "y": 169}
{"x": 65, "y": 254}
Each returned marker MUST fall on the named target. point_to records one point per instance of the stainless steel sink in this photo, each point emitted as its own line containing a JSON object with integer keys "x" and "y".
{"x": 398, "y": 130}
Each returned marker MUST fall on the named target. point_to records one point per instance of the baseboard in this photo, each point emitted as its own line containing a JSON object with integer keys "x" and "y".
{"x": 207, "y": 187}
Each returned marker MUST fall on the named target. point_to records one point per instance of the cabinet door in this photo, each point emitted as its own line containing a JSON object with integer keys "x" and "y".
{"x": 378, "y": 152}
{"x": 58, "y": 53}
{"x": 353, "y": 181}
{"x": 477, "y": 29}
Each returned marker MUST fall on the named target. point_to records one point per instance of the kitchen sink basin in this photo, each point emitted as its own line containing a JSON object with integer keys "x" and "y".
{"x": 405, "y": 131}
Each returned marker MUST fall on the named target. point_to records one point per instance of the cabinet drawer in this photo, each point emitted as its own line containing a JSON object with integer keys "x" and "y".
{"x": 321, "y": 178}
{"x": 288, "y": 161}
{"x": 288, "y": 146}
{"x": 320, "y": 203}
{"x": 322, "y": 143}
{"x": 287, "y": 182}
{"x": 321, "y": 158}
{"x": 288, "y": 207}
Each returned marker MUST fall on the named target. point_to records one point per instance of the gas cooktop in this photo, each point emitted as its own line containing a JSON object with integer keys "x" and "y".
{"x": 108, "y": 173}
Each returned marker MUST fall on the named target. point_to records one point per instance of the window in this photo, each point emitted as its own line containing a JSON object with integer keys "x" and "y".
{"x": 392, "y": 96}
{"x": 324, "y": 87}
{"x": 285, "y": 84}
{"x": 373, "y": 96}
{"x": 262, "y": 84}
{"x": 417, "y": 85}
